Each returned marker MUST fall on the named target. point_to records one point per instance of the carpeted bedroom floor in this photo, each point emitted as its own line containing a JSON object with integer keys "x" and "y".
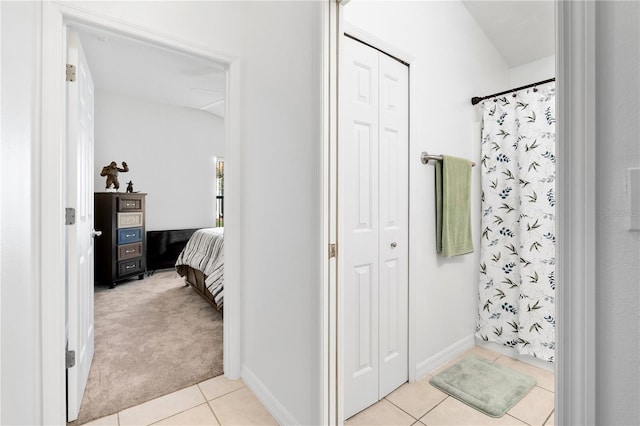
{"x": 152, "y": 337}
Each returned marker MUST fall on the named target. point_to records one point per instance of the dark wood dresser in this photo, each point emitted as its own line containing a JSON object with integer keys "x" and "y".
{"x": 120, "y": 252}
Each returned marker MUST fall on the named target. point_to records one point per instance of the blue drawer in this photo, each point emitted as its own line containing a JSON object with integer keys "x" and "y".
{"x": 129, "y": 235}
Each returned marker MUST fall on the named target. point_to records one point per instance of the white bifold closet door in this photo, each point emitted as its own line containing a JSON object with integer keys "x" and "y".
{"x": 374, "y": 143}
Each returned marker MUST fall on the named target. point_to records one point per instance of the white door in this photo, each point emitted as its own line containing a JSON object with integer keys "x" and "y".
{"x": 80, "y": 122}
{"x": 393, "y": 254}
{"x": 374, "y": 203}
{"x": 359, "y": 245}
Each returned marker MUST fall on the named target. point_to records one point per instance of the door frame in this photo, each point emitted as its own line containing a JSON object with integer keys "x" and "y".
{"x": 575, "y": 377}
{"x": 56, "y": 17}
{"x": 396, "y": 53}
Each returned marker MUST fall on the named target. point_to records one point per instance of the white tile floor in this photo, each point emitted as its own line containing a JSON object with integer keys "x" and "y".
{"x": 421, "y": 404}
{"x": 217, "y": 401}
{"x": 220, "y": 401}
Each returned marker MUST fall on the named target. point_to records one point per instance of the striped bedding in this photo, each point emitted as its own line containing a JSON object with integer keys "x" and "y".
{"x": 205, "y": 252}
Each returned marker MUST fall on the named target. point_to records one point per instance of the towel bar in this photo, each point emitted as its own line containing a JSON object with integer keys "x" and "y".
{"x": 426, "y": 157}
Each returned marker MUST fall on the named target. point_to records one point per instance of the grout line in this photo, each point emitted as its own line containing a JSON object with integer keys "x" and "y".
{"x": 518, "y": 419}
{"x": 543, "y": 388}
{"x": 547, "y": 418}
{"x": 224, "y": 394}
{"x": 118, "y": 418}
{"x": 174, "y": 414}
{"x": 550, "y": 416}
{"x": 202, "y": 392}
{"x": 214, "y": 413}
{"x": 435, "y": 406}
{"x": 400, "y": 408}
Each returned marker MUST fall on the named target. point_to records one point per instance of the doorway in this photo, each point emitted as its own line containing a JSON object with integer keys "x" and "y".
{"x": 58, "y": 20}
{"x": 431, "y": 275}
{"x": 374, "y": 131}
{"x": 158, "y": 115}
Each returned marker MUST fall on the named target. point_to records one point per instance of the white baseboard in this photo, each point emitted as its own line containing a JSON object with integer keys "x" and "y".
{"x": 512, "y": 353}
{"x": 271, "y": 403}
{"x": 430, "y": 364}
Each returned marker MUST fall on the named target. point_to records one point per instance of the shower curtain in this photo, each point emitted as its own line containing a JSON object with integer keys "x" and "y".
{"x": 517, "y": 249}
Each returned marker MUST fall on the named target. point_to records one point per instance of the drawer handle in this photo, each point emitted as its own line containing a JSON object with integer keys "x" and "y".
{"x": 129, "y": 235}
{"x": 129, "y": 251}
{"x": 129, "y": 266}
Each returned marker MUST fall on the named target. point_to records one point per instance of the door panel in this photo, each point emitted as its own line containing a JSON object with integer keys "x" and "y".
{"x": 373, "y": 152}
{"x": 394, "y": 217}
{"x": 80, "y": 257}
{"x": 364, "y": 167}
{"x": 359, "y": 152}
{"x": 364, "y": 309}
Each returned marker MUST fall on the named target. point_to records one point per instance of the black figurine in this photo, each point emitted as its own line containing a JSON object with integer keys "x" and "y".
{"x": 111, "y": 172}
{"x": 129, "y": 187}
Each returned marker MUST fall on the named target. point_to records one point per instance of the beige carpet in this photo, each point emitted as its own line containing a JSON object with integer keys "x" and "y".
{"x": 152, "y": 337}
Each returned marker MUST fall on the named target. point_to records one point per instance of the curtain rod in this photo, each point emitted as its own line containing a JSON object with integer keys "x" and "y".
{"x": 476, "y": 99}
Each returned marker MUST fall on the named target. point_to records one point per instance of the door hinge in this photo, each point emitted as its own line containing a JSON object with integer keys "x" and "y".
{"x": 69, "y": 216}
{"x": 71, "y": 72}
{"x": 333, "y": 250}
{"x": 70, "y": 359}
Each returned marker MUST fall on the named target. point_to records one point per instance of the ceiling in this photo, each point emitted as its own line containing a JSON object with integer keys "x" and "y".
{"x": 127, "y": 67}
{"x": 522, "y": 31}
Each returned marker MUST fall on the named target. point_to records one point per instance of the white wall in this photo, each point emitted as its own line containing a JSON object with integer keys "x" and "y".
{"x": 454, "y": 61}
{"x": 281, "y": 211}
{"x": 618, "y": 252}
{"x": 19, "y": 260}
{"x": 539, "y": 70}
{"x": 170, "y": 153}
{"x": 279, "y": 162}
{"x": 282, "y": 222}
{"x": 221, "y": 26}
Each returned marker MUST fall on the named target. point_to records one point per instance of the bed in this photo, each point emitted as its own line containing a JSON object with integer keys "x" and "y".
{"x": 201, "y": 263}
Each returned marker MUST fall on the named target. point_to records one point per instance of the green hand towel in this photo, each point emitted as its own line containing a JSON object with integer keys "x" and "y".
{"x": 453, "y": 206}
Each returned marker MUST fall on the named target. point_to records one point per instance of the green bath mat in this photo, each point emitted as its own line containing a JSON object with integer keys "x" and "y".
{"x": 484, "y": 385}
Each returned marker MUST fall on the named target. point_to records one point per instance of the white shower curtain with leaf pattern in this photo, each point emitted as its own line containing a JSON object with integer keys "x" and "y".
{"x": 517, "y": 249}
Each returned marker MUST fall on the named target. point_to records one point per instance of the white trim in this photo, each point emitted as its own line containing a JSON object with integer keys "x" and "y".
{"x": 52, "y": 147}
{"x": 576, "y": 208}
{"x": 0, "y": 221}
{"x": 513, "y": 353}
{"x": 271, "y": 403}
{"x": 49, "y": 217}
{"x": 233, "y": 186}
{"x": 427, "y": 366}
{"x": 81, "y": 17}
{"x": 329, "y": 96}
{"x": 337, "y": 314}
